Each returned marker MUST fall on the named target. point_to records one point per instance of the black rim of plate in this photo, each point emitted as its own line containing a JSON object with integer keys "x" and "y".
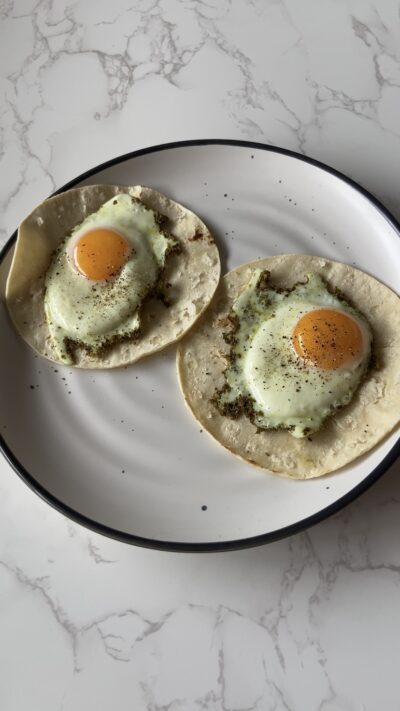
{"x": 214, "y": 546}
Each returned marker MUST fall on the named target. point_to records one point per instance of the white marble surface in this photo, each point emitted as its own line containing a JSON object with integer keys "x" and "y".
{"x": 312, "y": 622}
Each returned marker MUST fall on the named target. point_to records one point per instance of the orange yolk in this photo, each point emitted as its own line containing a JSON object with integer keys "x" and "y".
{"x": 101, "y": 253}
{"x": 327, "y": 338}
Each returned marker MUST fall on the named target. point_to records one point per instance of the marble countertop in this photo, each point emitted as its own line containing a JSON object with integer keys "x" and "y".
{"x": 311, "y": 622}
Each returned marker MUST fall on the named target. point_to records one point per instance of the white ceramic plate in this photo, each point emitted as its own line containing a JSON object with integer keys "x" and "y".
{"x": 117, "y": 451}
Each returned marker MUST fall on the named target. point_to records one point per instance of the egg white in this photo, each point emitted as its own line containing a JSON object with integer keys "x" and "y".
{"x": 90, "y": 313}
{"x": 284, "y": 391}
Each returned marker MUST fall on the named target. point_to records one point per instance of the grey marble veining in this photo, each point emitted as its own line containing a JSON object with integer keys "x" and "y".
{"x": 307, "y": 623}
{"x": 324, "y": 83}
{"x": 276, "y": 627}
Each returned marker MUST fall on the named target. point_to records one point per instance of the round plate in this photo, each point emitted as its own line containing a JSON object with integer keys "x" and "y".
{"x": 117, "y": 450}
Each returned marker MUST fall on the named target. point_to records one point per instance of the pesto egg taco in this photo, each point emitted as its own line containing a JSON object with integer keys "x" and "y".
{"x": 103, "y": 275}
{"x": 294, "y": 367}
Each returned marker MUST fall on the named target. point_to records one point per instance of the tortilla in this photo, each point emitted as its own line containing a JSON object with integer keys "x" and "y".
{"x": 353, "y": 430}
{"x": 192, "y": 275}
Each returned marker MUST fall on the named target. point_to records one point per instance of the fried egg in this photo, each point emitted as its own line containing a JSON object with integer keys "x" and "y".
{"x": 101, "y": 275}
{"x": 297, "y": 355}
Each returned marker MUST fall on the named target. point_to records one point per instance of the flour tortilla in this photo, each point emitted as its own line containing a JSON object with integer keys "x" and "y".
{"x": 192, "y": 275}
{"x": 355, "y": 429}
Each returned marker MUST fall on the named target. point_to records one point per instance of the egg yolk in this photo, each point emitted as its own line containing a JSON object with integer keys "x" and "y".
{"x": 327, "y": 338}
{"x": 100, "y": 253}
